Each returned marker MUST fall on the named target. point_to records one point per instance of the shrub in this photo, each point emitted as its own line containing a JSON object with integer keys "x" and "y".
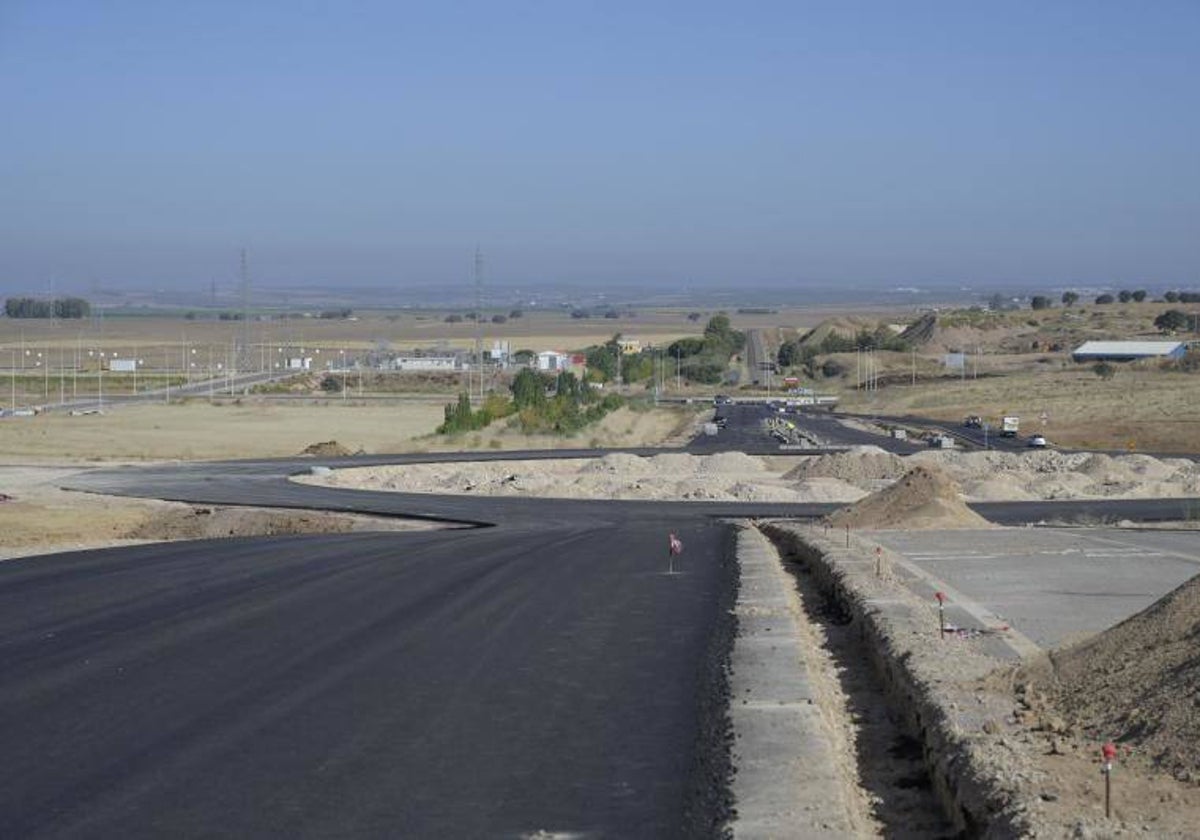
{"x": 1104, "y": 370}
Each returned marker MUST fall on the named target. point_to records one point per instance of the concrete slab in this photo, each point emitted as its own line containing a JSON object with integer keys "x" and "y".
{"x": 787, "y": 782}
{"x": 1052, "y": 585}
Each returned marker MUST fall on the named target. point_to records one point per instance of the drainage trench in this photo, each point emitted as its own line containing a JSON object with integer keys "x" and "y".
{"x": 886, "y": 754}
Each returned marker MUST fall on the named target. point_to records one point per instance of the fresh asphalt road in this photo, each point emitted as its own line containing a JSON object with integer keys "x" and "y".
{"x": 435, "y": 684}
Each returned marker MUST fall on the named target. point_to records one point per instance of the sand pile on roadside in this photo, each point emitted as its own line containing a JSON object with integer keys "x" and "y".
{"x": 925, "y": 497}
{"x": 830, "y": 490}
{"x": 1049, "y": 474}
{"x": 855, "y": 466}
{"x": 1138, "y": 683}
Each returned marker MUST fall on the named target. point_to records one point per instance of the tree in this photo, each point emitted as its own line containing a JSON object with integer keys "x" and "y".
{"x": 1171, "y": 321}
{"x": 1104, "y": 370}
{"x": 720, "y": 338}
{"x": 516, "y": 313}
{"x": 1040, "y": 302}
{"x": 1139, "y": 295}
{"x": 72, "y": 307}
{"x": 1171, "y": 297}
{"x": 1104, "y": 299}
{"x": 693, "y": 316}
{"x": 685, "y": 347}
{"x": 789, "y": 354}
{"x": 1069, "y": 298}
{"x": 528, "y": 389}
{"x": 499, "y": 319}
{"x": 454, "y": 319}
{"x": 1124, "y": 296}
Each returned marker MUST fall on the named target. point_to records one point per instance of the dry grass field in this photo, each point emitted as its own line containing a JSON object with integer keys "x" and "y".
{"x": 1140, "y": 408}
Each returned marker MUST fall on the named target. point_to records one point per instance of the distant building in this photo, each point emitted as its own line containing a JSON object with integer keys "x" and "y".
{"x": 425, "y": 363}
{"x": 122, "y": 365}
{"x": 552, "y": 360}
{"x": 629, "y": 346}
{"x": 1128, "y": 351}
{"x": 300, "y": 363}
{"x": 555, "y": 361}
{"x": 501, "y": 351}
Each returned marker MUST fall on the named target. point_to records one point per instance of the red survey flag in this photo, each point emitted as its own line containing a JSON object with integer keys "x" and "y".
{"x": 674, "y": 545}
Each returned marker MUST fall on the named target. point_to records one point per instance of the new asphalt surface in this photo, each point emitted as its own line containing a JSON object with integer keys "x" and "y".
{"x": 433, "y": 684}
{"x": 541, "y": 673}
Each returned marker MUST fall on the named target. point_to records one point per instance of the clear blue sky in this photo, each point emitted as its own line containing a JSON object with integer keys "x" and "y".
{"x": 723, "y": 143}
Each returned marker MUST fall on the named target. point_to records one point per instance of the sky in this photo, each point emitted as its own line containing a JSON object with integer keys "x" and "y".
{"x": 830, "y": 144}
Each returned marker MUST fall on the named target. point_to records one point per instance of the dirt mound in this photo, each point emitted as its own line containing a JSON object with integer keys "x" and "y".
{"x": 617, "y": 462}
{"x": 827, "y": 490}
{"x": 921, "y": 330}
{"x": 326, "y": 449}
{"x": 1139, "y": 683}
{"x": 866, "y": 463}
{"x": 203, "y": 523}
{"x": 925, "y": 497}
{"x": 844, "y": 327}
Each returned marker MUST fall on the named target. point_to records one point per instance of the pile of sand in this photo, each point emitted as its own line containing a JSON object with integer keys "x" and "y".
{"x": 856, "y": 466}
{"x": 1138, "y": 683}
{"x": 836, "y": 477}
{"x": 1049, "y": 474}
{"x": 326, "y": 449}
{"x": 925, "y": 497}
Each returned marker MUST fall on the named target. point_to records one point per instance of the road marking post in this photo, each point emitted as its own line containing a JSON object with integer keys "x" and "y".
{"x": 1109, "y": 752}
{"x": 878, "y": 561}
{"x": 847, "y": 536}
{"x": 941, "y": 599}
{"x": 674, "y": 547}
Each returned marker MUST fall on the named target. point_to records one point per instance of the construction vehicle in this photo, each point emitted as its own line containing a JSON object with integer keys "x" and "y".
{"x": 973, "y": 421}
{"x": 1010, "y": 424}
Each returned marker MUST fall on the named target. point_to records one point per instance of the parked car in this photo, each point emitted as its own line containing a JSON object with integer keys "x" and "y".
{"x": 1037, "y": 442}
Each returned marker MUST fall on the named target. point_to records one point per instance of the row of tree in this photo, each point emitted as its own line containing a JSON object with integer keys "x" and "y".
{"x": 706, "y": 359}
{"x": 560, "y": 404}
{"x": 803, "y": 352}
{"x": 455, "y": 318}
{"x": 1123, "y": 296}
{"x": 1174, "y": 320}
{"x": 68, "y": 307}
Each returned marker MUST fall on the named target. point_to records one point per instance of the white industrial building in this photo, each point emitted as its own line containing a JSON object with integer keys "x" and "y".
{"x": 425, "y": 363}
{"x": 553, "y": 360}
{"x": 1128, "y": 351}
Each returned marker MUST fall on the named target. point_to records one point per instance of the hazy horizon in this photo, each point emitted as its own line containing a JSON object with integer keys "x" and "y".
{"x": 815, "y": 146}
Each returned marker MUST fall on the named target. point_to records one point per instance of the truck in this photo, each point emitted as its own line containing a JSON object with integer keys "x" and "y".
{"x": 1010, "y": 424}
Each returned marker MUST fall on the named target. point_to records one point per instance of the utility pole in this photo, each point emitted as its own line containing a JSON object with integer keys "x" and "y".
{"x": 478, "y": 320}
{"x": 241, "y": 360}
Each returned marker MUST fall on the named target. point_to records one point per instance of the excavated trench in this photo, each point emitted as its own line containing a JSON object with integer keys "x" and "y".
{"x": 889, "y": 758}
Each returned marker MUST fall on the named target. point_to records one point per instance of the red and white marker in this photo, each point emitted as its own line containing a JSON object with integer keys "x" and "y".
{"x": 674, "y": 547}
{"x": 1109, "y": 752}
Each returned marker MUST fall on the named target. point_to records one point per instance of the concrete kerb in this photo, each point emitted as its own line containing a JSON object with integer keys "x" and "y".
{"x": 789, "y": 780}
{"x": 986, "y": 787}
